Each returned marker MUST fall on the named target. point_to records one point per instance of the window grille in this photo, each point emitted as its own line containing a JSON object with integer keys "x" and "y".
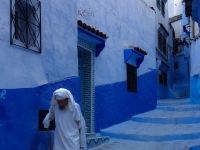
{"x": 162, "y": 43}
{"x": 26, "y": 24}
{"x": 162, "y": 8}
{"x": 131, "y": 78}
{"x": 158, "y": 3}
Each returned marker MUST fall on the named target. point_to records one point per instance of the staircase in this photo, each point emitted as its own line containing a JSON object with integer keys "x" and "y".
{"x": 174, "y": 124}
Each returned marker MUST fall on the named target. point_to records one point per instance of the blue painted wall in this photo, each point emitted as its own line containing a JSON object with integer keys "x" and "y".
{"x": 163, "y": 92}
{"x": 18, "y": 119}
{"x": 19, "y": 110}
{"x": 181, "y": 75}
{"x": 45, "y": 92}
{"x": 114, "y": 104}
{"x": 194, "y": 96}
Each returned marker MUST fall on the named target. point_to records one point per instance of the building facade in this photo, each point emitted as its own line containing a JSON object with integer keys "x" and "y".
{"x": 180, "y": 55}
{"x": 171, "y": 53}
{"x": 103, "y": 52}
{"x": 163, "y": 40}
{"x": 192, "y": 12}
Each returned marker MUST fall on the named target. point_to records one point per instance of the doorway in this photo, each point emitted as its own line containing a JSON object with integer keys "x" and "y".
{"x": 86, "y": 74}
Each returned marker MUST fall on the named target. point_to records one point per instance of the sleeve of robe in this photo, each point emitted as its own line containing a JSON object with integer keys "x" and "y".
{"x": 82, "y": 128}
{"x": 50, "y": 116}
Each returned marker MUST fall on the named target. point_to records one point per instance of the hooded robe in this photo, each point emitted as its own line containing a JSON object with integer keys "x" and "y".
{"x": 70, "y": 125}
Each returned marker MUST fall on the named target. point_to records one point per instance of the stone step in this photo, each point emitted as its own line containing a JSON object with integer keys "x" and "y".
{"x": 96, "y": 141}
{"x": 152, "y": 132}
{"x": 180, "y": 108}
{"x": 186, "y": 120}
{"x": 171, "y": 124}
{"x": 173, "y": 103}
{"x": 169, "y": 117}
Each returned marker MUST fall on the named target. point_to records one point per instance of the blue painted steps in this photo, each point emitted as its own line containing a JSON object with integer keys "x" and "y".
{"x": 171, "y": 120}
{"x": 169, "y": 102}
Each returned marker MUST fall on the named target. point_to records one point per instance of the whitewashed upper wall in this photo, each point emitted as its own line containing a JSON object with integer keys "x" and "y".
{"x": 21, "y": 68}
{"x": 159, "y": 17}
{"x": 175, "y": 7}
{"x": 126, "y": 23}
{"x": 195, "y": 61}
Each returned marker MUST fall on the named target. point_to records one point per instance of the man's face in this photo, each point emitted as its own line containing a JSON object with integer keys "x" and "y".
{"x": 62, "y": 103}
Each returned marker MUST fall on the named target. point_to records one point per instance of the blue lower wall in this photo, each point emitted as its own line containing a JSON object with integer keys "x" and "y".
{"x": 163, "y": 92}
{"x": 114, "y": 104}
{"x": 194, "y": 97}
{"x": 44, "y": 92}
{"x": 19, "y": 110}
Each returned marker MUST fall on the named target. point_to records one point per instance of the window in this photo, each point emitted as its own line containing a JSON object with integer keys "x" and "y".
{"x": 188, "y": 67}
{"x": 162, "y": 43}
{"x": 176, "y": 65}
{"x": 131, "y": 78}
{"x": 162, "y": 77}
{"x": 158, "y": 3}
{"x": 178, "y": 46}
{"x": 26, "y": 24}
{"x": 188, "y": 7}
{"x": 41, "y": 116}
{"x": 161, "y": 6}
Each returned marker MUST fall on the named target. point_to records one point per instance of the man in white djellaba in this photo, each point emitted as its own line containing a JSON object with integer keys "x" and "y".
{"x": 70, "y": 125}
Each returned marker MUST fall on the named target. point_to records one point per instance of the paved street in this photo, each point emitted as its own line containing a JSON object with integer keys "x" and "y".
{"x": 173, "y": 125}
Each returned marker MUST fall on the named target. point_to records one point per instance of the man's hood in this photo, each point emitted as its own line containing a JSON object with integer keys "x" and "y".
{"x": 63, "y": 93}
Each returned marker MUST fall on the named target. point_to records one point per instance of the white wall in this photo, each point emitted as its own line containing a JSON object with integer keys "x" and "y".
{"x": 194, "y": 55}
{"x": 21, "y": 68}
{"x": 175, "y": 7}
{"x": 126, "y": 23}
{"x": 177, "y": 28}
{"x": 159, "y": 17}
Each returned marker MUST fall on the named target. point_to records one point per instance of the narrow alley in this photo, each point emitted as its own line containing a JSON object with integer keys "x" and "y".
{"x": 132, "y": 66}
{"x": 173, "y": 125}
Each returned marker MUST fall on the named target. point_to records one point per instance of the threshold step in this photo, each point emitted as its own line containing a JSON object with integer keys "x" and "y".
{"x": 96, "y": 141}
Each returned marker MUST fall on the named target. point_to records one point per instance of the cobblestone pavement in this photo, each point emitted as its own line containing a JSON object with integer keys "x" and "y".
{"x": 173, "y": 125}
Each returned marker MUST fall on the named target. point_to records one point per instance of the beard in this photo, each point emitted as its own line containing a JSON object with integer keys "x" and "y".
{"x": 61, "y": 107}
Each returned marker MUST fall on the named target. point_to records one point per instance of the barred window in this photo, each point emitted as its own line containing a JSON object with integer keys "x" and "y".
{"x": 162, "y": 43}
{"x": 162, "y": 8}
{"x": 158, "y": 3}
{"x": 131, "y": 78}
{"x": 26, "y": 24}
